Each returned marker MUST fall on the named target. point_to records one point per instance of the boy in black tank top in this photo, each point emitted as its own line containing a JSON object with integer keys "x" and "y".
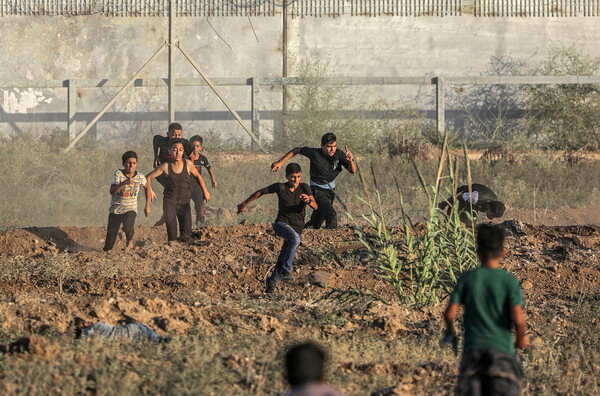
{"x": 293, "y": 197}
{"x": 176, "y": 202}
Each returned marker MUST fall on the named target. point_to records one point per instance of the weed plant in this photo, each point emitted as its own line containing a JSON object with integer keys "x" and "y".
{"x": 424, "y": 265}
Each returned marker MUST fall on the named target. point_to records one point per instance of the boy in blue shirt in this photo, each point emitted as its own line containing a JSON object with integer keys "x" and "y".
{"x": 493, "y": 306}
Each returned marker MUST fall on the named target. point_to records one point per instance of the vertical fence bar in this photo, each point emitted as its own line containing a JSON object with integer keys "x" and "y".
{"x": 440, "y": 104}
{"x": 254, "y": 83}
{"x": 71, "y": 99}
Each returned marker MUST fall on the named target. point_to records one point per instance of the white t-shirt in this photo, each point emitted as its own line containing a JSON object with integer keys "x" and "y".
{"x": 126, "y": 199}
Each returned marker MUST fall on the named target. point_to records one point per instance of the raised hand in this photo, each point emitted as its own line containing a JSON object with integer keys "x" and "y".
{"x": 349, "y": 155}
{"x": 275, "y": 166}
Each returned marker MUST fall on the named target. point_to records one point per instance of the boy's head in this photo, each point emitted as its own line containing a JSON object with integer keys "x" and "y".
{"x": 490, "y": 242}
{"x": 129, "y": 160}
{"x": 329, "y": 144}
{"x": 495, "y": 210}
{"x": 177, "y": 149}
{"x": 293, "y": 173}
{"x": 175, "y": 131}
{"x": 305, "y": 363}
{"x": 197, "y": 142}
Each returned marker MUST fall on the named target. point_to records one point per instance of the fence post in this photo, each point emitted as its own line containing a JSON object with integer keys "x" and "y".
{"x": 255, "y": 84}
{"x": 71, "y": 99}
{"x": 440, "y": 104}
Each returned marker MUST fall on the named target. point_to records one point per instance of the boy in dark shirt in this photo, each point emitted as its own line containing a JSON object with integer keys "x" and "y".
{"x": 482, "y": 198}
{"x": 325, "y": 165}
{"x": 176, "y": 202}
{"x": 293, "y": 197}
{"x": 493, "y": 305}
{"x": 199, "y": 161}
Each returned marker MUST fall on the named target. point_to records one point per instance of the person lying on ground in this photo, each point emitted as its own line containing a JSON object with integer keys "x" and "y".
{"x": 325, "y": 165}
{"x": 305, "y": 371}
{"x": 481, "y": 198}
{"x": 176, "y": 201}
{"x": 493, "y": 305}
{"x": 293, "y": 198}
{"x": 123, "y": 208}
{"x": 131, "y": 331}
{"x": 161, "y": 147}
{"x": 199, "y": 161}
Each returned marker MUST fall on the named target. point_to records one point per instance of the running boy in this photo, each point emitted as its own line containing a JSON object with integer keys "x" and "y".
{"x": 176, "y": 201}
{"x": 481, "y": 198}
{"x": 123, "y": 204}
{"x": 199, "y": 161}
{"x": 325, "y": 165}
{"x": 293, "y": 197}
{"x": 493, "y": 305}
{"x": 161, "y": 147}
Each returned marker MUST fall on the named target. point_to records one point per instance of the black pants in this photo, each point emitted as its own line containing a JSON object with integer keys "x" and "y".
{"x": 489, "y": 372}
{"x": 325, "y": 211}
{"x": 198, "y": 198}
{"x": 177, "y": 213}
{"x": 114, "y": 223}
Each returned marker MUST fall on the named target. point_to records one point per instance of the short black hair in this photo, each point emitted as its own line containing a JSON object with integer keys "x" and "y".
{"x": 175, "y": 127}
{"x": 129, "y": 154}
{"x": 328, "y": 138}
{"x": 305, "y": 363}
{"x": 490, "y": 241}
{"x": 197, "y": 138}
{"x": 177, "y": 140}
{"x": 292, "y": 168}
{"x": 497, "y": 208}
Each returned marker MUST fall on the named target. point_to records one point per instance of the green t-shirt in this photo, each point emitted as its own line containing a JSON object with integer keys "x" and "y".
{"x": 488, "y": 296}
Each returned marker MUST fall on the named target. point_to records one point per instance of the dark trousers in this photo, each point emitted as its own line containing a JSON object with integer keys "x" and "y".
{"x": 325, "y": 211}
{"x": 174, "y": 213}
{"x": 291, "y": 241}
{"x": 198, "y": 198}
{"x": 114, "y": 223}
{"x": 489, "y": 372}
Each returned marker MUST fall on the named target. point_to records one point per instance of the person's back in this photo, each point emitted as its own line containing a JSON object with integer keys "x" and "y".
{"x": 493, "y": 305}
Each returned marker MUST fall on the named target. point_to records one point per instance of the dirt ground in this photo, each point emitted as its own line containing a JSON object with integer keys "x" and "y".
{"x": 216, "y": 282}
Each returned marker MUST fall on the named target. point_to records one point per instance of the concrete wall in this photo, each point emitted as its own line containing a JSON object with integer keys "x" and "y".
{"x": 88, "y": 47}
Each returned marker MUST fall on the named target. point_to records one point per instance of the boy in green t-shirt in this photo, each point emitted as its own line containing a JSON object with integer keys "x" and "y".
{"x": 493, "y": 305}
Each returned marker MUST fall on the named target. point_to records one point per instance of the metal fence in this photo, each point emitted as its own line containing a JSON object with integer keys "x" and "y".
{"x": 304, "y": 8}
{"x": 256, "y": 84}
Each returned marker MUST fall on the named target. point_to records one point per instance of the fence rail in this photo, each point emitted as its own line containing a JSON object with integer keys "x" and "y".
{"x": 440, "y": 83}
{"x": 304, "y": 8}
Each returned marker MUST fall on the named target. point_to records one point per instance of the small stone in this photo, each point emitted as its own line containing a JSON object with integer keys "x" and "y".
{"x": 527, "y": 285}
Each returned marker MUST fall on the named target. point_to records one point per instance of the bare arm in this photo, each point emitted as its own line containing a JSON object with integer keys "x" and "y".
{"x": 150, "y": 196}
{"x": 244, "y": 205}
{"x": 309, "y": 200}
{"x": 194, "y": 172}
{"x": 350, "y": 158}
{"x": 449, "y": 317}
{"x": 162, "y": 168}
{"x": 275, "y": 166}
{"x": 213, "y": 179}
{"x": 520, "y": 326}
{"x": 155, "y": 150}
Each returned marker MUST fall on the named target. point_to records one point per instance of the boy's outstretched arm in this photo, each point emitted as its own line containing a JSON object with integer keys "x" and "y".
{"x": 244, "y": 205}
{"x": 148, "y": 187}
{"x": 520, "y": 326}
{"x": 275, "y": 166}
{"x": 194, "y": 172}
{"x": 213, "y": 179}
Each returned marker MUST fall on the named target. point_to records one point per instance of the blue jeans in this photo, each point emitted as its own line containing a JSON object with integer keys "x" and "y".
{"x": 291, "y": 241}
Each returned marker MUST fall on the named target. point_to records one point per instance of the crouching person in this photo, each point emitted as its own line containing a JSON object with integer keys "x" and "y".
{"x": 293, "y": 198}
